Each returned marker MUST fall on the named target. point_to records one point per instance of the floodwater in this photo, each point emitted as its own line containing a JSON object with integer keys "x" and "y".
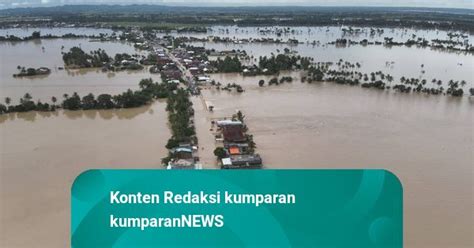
{"x": 47, "y": 53}
{"x": 408, "y": 62}
{"x": 426, "y": 140}
{"x": 42, "y": 153}
{"x": 25, "y": 32}
{"x": 322, "y": 34}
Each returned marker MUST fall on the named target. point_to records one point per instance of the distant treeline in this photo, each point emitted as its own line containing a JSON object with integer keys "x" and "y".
{"x": 37, "y": 35}
{"x": 429, "y": 18}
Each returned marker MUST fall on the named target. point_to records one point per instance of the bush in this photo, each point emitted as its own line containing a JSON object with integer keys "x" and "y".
{"x": 220, "y": 152}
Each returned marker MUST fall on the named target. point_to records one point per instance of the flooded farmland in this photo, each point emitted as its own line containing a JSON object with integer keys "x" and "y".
{"x": 427, "y": 141}
{"x": 41, "y": 154}
{"x": 47, "y": 53}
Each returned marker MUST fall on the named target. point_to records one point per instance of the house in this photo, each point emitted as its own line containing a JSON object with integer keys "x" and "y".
{"x": 222, "y": 123}
{"x": 172, "y": 74}
{"x": 203, "y": 79}
{"x": 194, "y": 70}
{"x": 233, "y": 133}
{"x": 174, "y": 81}
{"x": 181, "y": 164}
{"x": 234, "y": 150}
{"x": 182, "y": 158}
{"x": 242, "y": 162}
{"x": 226, "y": 162}
{"x": 182, "y": 152}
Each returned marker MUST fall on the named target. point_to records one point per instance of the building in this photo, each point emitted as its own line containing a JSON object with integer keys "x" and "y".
{"x": 223, "y": 123}
{"x": 242, "y": 162}
{"x": 233, "y": 133}
{"x": 183, "y": 159}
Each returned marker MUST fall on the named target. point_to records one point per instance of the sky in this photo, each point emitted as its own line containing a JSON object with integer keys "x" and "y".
{"x": 405, "y": 3}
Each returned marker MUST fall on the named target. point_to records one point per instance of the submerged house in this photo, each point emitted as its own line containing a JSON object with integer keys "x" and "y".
{"x": 236, "y": 148}
{"x": 183, "y": 159}
{"x": 253, "y": 161}
{"x": 233, "y": 133}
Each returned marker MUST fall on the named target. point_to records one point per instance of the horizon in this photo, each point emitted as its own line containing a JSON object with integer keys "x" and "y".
{"x": 433, "y": 4}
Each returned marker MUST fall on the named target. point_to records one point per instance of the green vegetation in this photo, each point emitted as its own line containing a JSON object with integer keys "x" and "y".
{"x": 28, "y": 72}
{"x": 149, "y": 90}
{"x": 180, "y": 114}
{"x": 180, "y": 16}
{"x": 228, "y": 64}
{"x": 77, "y": 58}
{"x": 220, "y": 152}
{"x": 275, "y": 64}
{"x": 345, "y": 73}
{"x": 37, "y": 35}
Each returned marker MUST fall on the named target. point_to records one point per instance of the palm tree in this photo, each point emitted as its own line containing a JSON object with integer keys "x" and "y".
{"x": 8, "y": 100}
{"x": 65, "y": 95}
{"x": 27, "y": 96}
{"x": 53, "y": 99}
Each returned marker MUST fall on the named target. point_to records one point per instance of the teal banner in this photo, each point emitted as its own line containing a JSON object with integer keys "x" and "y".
{"x": 237, "y": 208}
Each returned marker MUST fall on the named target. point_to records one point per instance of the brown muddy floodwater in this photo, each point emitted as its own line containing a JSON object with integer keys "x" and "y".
{"x": 47, "y": 53}
{"x": 427, "y": 141}
{"x": 41, "y": 154}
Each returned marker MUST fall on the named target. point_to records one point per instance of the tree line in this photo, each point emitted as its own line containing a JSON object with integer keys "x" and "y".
{"x": 148, "y": 91}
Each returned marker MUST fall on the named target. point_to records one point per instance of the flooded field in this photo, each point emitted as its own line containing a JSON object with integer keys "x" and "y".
{"x": 24, "y": 32}
{"x": 41, "y": 154}
{"x": 408, "y": 62}
{"x": 426, "y": 140}
{"x": 322, "y": 34}
{"x": 47, "y": 53}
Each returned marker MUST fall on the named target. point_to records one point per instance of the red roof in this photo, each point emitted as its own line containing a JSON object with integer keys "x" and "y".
{"x": 234, "y": 150}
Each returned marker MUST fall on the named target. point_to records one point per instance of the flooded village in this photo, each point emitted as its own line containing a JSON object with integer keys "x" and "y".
{"x": 76, "y": 96}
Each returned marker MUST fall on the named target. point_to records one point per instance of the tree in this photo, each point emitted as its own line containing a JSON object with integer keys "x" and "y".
{"x": 27, "y": 96}
{"x": 3, "y": 109}
{"x": 220, "y": 152}
{"x": 7, "y": 100}
{"x": 72, "y": 103}
{"x": 104, "y": 101}
{"x": 36, "y": 35}
{"x": 273, "y": 81}
{"x": 261, "y": 83}
{"x": 239, "y": 116}
{"x": 88, "y": 101}
{"x": 53, "y": 99}
{"x": 251, "y": 143}
{"x": 172, "y": 143}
